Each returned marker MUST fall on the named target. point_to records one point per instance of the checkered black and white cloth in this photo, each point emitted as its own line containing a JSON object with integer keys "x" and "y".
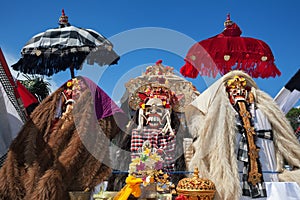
{"x": 57, "y": 49}
{"x": 258, "y": 190}
{"x": 164, "y": 142}
{"x": 298, "y": 133}
{"x": 64, "y": 38}
{"x": 2, "y": 159}
{"x": 12, "y": 111}
{"x": 10, "y": 91}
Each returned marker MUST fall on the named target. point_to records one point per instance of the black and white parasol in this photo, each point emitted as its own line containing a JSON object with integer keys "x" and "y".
{"x": 65, "y": 47}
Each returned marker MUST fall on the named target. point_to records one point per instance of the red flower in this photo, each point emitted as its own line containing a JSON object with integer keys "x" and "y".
{"x": 181, "y": 197}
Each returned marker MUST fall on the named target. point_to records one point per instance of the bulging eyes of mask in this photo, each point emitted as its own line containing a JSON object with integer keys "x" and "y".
{"x": 237, "y": 94}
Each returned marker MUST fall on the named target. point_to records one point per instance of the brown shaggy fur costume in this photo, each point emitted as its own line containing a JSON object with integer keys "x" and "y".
{"x": 48, "y": 157}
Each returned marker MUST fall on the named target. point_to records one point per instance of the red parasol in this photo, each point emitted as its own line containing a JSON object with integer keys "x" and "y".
{"x": 229, "y": 51}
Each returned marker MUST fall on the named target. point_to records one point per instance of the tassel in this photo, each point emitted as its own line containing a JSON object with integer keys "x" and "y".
{"x": 188, "y": 70}
{"x": 168, "y": 127}
{"x": 140, "y": 119}
{"x": 132, "y": 187}
{"x": 207, "y": 57}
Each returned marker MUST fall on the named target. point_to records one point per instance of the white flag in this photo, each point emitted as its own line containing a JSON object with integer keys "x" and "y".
{"x": 10, "y": 122}
{"x": 289, "y": 95}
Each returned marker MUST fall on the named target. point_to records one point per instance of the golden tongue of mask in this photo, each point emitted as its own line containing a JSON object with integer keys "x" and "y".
{"x": 254, "y": 176}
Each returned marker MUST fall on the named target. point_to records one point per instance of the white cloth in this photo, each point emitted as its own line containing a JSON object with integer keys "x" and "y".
{"x": 280, "y": 191}
{"x": 212, "y": 122}
{"x": 10, "y": 122}
{"x": 267, "y": 152}
{"x": 286, "y": 99}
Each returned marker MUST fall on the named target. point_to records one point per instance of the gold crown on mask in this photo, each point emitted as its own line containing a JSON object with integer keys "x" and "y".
{"x": 236, "y": 82}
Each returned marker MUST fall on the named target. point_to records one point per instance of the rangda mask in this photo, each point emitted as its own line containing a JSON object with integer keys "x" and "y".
{"x": 154, "y": 113}
{"x": 237, "y": 90}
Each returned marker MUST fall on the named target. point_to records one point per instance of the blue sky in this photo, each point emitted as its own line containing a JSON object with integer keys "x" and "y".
{"x": 146, "y": 31}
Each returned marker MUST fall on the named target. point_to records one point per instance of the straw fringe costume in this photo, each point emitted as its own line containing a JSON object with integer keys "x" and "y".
{"x": 212, "y": 121}
{"x": 50, "y": 157}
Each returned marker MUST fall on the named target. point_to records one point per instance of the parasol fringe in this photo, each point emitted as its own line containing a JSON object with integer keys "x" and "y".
{"x": 228, "y": 51}
{"x": 188, "y": 70}
{"x": 49, "y": 64}
{"x": 250, "y": 64}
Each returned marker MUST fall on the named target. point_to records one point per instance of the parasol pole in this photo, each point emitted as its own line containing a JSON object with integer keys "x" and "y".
{"x": 64, "y": 22}
{"x": 72, "y": 71}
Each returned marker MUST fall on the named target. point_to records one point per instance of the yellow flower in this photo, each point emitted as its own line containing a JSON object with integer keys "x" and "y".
{"x": 132, "y": 168}
{"x": 147, "y": 151}
{"x": 155, "y": 157}
{"x": 75, "y": 80}
{"x": 69, "y": 83}
{"x": 136, "y": 160}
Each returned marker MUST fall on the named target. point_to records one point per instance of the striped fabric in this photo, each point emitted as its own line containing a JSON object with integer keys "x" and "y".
{"x": 2, "y": 159}
{"x": 10, "y": 89}
{"x": 243, "y": 147}
{"x": 12, "y": 111}
{"x": 166, "y": 143}
{"x": 289, "y": 95}
{"x": 65, "y": 38}
{"x": 298, "y": 133}
{"x": 254, "y": 191}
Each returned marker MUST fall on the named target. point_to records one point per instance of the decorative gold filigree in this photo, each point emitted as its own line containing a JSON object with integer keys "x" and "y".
{"x": 196, "y": 186}
{"x": 254, "y": 176}
{"x": 165, "y": 78}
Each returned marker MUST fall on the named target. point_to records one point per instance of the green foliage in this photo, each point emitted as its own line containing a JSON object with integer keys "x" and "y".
{"x": 37, "y": 86}
{"x": 293, "y": 117}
